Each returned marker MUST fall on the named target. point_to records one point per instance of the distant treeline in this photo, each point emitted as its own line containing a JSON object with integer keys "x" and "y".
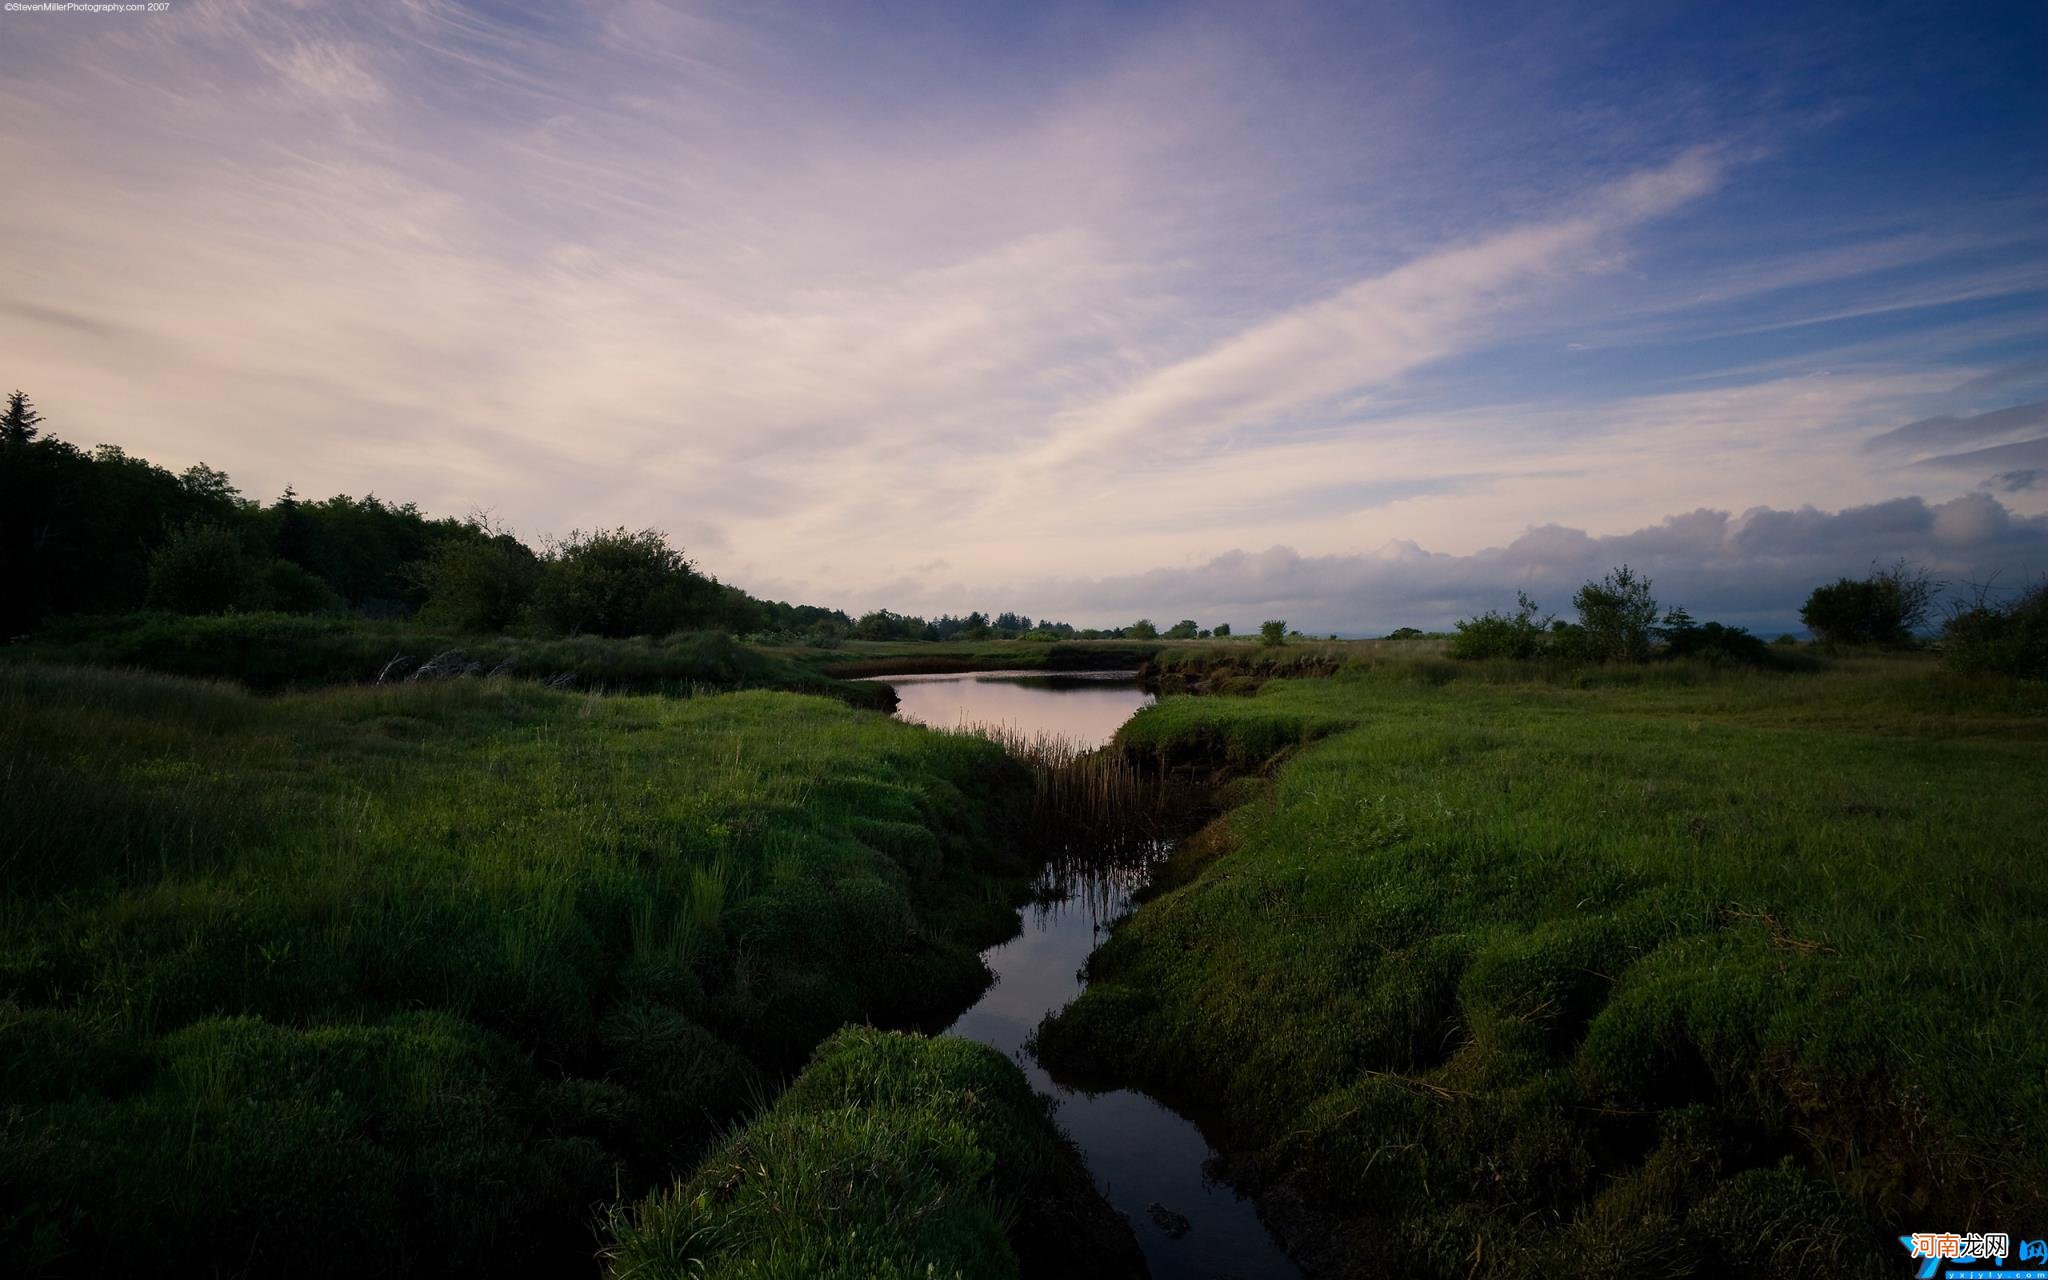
{"x": 101, "y": 531}
{"x": 1620, "y": 621}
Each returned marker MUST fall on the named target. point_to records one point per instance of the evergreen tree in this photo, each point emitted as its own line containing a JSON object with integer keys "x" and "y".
{"x": 18, "y": 427}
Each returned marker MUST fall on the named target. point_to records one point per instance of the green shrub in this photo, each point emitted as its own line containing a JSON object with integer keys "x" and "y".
{"x": 284, "y": 587}
{"x": 479, "y": 583}
{"x": 1617, "y": 617}
{"x": 2008, "y": 639}
{"x": 1887, "y": 607}
{"x": 1715, "y": 643}
{"x": 1519, "y": 635}
{"x": 614, "y": 583}
{"x": 1273, "y": 632}
{"x": 200, "y": 568}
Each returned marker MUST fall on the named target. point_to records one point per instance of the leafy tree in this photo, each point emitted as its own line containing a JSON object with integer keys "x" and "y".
{"x": 1143, "y": 629}
{"x": 1404, "y": 633}
{"x": 1272, "y": 633}
{"x": 1887, "y": 607}
{"x": 1677, "y": 623}
{"x": 480, "y": 582}
{"x": 1617, "y": 617}
{"x": 1183, "y": 630}
{"x": 209, "y": 485}
{"x": 200, "y": 568}
{"x": 18, "y": 425}
{"x": 881, "y": 624}
{"x": 1222, "y": 631}
{"x": 1493, "y": 634}
{"x": 612, "y": 582}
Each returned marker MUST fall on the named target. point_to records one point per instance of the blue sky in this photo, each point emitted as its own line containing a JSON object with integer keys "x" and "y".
{"x": 1363, "y": 315}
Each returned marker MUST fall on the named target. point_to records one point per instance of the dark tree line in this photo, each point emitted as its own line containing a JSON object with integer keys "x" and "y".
{"x": 1618, "y": 621}
{"x": 1891, "y": 608}
{"x": 100, "y": 531}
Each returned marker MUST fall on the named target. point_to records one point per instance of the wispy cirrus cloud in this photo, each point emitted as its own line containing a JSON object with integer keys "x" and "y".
{"x": 823, "y": 291}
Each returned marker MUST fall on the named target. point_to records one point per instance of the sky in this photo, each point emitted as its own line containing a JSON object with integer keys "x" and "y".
{"x": 1361, "y": 316}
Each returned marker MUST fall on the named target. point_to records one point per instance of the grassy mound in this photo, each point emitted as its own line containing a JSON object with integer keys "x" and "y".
{"x": 1668, "y": 974}
{"x": 891, "y": 1156}
{"x": 384, "y": 978}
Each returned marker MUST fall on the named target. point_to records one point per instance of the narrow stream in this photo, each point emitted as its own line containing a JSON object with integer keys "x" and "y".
{"x": 1148, "y": 1161}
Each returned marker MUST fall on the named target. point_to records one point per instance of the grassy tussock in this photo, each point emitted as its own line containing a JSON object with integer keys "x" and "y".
{"x": 890, "y": 1156}
{"x": 1562, "y": 977}
{"x": 408, "y": 977}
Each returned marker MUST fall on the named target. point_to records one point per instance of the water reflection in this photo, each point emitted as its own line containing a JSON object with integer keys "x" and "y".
{"x": 1149, "y": 1162}
{"x": 1085, "y": 706}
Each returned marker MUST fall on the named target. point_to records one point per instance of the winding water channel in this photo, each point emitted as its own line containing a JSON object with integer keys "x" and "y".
{"x": 1148, "y": 1161}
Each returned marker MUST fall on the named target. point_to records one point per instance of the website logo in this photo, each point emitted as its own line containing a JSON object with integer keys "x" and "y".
{"x": 1958, "y": 1256}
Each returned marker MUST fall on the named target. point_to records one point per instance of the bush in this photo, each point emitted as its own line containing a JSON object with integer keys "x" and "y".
{"x": 1885, "y": 608}
{"x": 1272, "y": 632}
{"x": 200, "y": 568}
{"x": 1502, "y": 635}
{"x": 1718, "y": 644}
{"x": 2005, "y": 639}
{"x": 616, "y": 583}
{"x": 1222, "y": 631}
{"x": 284, "y": 587}
{"x": 480, "y": 583}
{"x": 1143, "y": 629}
{"x": 1617, "y": 616}
{"x": 1185, "y": 629}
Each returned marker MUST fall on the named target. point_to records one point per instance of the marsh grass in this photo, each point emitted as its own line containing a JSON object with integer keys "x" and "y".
{"x": 891, "y": 1155}
{"x": 1087, "y": 801}
{"x": 407, "y": 976}
{"x": 1709, "y": 970}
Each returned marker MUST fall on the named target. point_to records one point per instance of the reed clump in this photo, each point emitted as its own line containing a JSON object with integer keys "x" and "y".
{"x": 1094, "y": 801}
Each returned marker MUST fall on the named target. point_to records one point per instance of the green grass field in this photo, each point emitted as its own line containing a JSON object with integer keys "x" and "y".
{"x": 1645, "y": 971}
{"x": 426, "y": 978}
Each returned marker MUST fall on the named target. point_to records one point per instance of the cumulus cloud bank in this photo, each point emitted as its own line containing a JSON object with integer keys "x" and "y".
{"x": 1754, "y": 568}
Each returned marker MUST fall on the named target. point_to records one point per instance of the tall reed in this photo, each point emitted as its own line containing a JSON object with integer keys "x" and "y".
{"x": 1094, "y": 803}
